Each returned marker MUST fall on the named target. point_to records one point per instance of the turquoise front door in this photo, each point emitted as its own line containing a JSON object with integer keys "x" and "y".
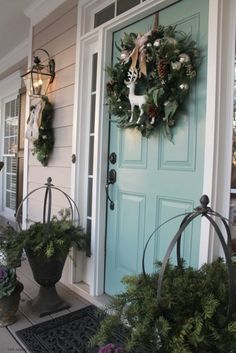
{"x": 155, "y": 178}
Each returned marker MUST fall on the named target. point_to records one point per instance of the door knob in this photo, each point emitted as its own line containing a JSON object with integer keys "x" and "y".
{"x": 112, "y": 176}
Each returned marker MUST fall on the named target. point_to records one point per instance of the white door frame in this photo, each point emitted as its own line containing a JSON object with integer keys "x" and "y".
{"x": 219, "y": 113}
{"x": 218, "y": 131}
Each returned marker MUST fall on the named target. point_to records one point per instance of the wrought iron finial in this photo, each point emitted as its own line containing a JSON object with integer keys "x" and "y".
{"x": 204, "y": 200}
{"x": 49, "y": 181}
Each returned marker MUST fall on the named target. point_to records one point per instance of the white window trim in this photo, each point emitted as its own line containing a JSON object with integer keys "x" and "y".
{"x": 88, "y": 47}
{"x": 220, "y": 17}
{"x": 90, "y": 9}
{"x": 9, "y": 88}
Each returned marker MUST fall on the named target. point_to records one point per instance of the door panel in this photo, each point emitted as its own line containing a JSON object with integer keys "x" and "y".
{"x": 134, "y": 205}
{"x": 132, "y": 149}
{"x": 158, "y": 179}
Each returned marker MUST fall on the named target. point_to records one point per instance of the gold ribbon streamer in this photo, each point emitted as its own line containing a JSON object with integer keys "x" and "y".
{"x": 139, "y": 52}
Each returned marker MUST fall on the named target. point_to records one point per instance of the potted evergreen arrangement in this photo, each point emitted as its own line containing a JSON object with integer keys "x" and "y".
{"x": 189, "y": 317}
{"x": 46, "y": 246}
{"x": 10, "y": 289}
{"x": 177, "y": 309}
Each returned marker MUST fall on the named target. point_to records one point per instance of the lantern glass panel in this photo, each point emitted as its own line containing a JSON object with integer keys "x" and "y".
{"x": 39, "y": 83}
{"x": 36, "y": 83}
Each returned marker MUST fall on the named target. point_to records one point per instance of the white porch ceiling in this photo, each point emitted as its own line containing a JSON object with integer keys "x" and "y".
{"x": 14, "y": 25}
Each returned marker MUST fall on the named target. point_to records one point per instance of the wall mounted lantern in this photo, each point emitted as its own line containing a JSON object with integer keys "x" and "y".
{"x": 39, "y": 77}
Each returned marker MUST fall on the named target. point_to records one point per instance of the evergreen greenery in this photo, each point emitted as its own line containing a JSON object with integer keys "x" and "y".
{"x": 189, "y": 318}
{"x": 11, "y": 247}
{"x": 8, "y": 281}
{"x": 46, "y": 240}
{"x": 172, "y": 58}
{"x": 43, "y": 146}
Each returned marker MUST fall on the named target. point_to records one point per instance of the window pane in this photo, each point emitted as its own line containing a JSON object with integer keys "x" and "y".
{"x": 124, "y": 5}
{"x": 90, "y": 191}
{"x": 88, "y": 230}
{"x": 92, "y": 113}
{"x": 104, "y": 15}
{"x": 11, "y": 200}
{"x": 11, "y": 127}
{"x": 7, "y": 145}
{"x": 13, "y": 105}
{"x": 10, "y": 145}
{"x": 11, "y": 165}
{"x": 11, "y": 182}
{"x": 91, "y": 147}
{"x": 7, "y": 109}
{"x": 94, "y": 72}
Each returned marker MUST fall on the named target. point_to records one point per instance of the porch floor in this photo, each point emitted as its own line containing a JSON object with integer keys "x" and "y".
{"x": 9, "y": 342}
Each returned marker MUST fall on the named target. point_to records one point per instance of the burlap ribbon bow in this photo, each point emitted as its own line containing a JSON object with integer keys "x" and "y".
{"x": 139, "y": 53}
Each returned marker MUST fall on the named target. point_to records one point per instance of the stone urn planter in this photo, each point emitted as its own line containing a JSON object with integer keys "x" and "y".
{"x": 47, "y": 273}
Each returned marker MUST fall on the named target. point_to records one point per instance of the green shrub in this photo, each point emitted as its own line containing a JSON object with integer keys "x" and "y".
{"x": 189, "y": 318}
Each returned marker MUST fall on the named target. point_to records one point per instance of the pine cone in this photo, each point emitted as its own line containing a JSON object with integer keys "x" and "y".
{"x": 153, "y": 111}
{"x": 190, "y": 72}
{"x": 162, "y": 68}
{"x": 110, "y": 88}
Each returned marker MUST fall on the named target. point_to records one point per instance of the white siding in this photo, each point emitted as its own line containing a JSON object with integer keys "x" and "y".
{"x": 57, "y": 34}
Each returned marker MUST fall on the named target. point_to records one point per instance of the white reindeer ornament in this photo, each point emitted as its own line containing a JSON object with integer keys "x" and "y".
{"x": 135, "y": 100}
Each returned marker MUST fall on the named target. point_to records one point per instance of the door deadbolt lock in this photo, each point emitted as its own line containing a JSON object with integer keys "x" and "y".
{"x": 113, "y": 158}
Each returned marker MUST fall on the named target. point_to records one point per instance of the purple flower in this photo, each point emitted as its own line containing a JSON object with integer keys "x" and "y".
{"x": 111, "y": 348}
{"x": 3, "y": 274}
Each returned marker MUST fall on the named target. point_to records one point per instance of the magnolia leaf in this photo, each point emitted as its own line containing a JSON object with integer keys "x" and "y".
{"x": 156, "y": 94}
{"x": 167, "y": 132}
{"x": 170, "y": 109}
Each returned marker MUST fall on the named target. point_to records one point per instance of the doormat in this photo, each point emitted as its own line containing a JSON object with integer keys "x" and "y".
{"x": 69, "y": 333}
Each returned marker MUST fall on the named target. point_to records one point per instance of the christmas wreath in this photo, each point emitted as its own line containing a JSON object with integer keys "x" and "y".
{"x": 151, "y": 79}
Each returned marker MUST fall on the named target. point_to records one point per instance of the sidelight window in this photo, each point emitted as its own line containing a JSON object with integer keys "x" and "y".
{"x": 91, "y": 144}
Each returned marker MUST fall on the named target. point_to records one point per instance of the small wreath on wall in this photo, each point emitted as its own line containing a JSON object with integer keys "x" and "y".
{"x": 152, "y": 79}
{"x": 39, "y": 130}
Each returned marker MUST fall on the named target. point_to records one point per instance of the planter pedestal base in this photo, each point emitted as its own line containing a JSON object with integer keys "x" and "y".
{"x": 48, "y": 302}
